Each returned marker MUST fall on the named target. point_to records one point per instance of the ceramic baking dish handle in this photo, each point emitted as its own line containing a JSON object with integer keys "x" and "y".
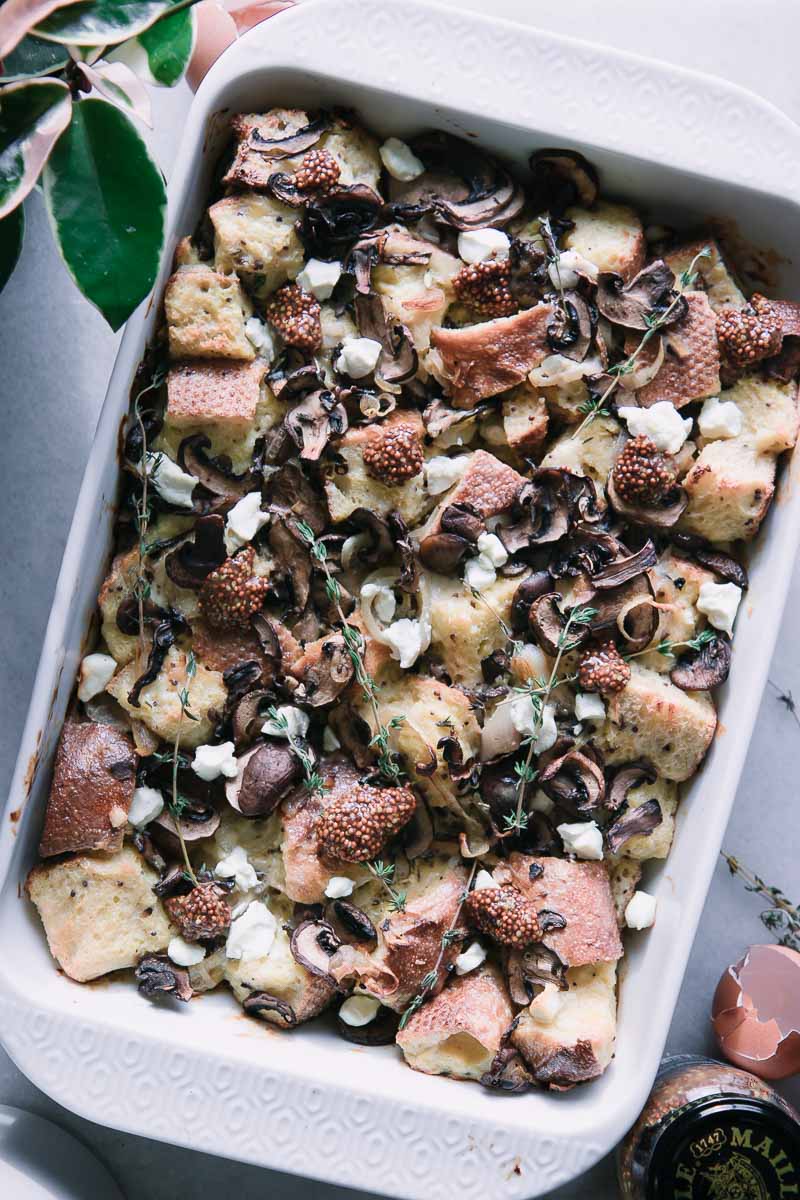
{"x": 572, "y": 89}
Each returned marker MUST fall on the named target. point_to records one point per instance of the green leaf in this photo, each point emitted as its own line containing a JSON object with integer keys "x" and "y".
{"x": 32, "y": 117}
{"x": 106, "y": 200}
{"x": 12, "y": 229}
{"x": 168, "y": 46}
{"x": 33, "y": 56}
{"x": 103, "y": 22}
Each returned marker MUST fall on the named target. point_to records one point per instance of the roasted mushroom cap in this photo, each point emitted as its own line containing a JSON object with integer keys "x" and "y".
{"x": 528, "y": 971}
{"x": 380, "y": 1031}
{"x": 266, "y": 774}
{"x": 215, "y": 474}
{"x": 634, "y": 821}
{"x": 442, "y": 552}
{"x": 727, "y": 568}
{"x": 627, "y": 609}
{"x": 313, "y": 944}
{"x": 662, "y": 515}
{"x": 563, "y": 178}
{"x": 530, "y": 589}
{"x": 258, "y": 1003}
{"x": 197, "y": 557}
{"x": 626, "y": 567}
{"x": 330, "y": 674}
{"x": 318, "y": 417}
{"x": 705, "y": 668}
{"x": 333, "y": 223}
{"x": 575, "y": 782}
{"x": 572, "y": 326}
{"x": 547, "y": 623}
{"x": 158, "y": 976}
{"x": 293, "y": 143}
{"x": 398, "y": 360}
{"x": 625, "y": 778}
{"x": 461, "y": 186}
{"x": 508, "y": 1073}
{"x": 350, "y": 923}
{"x": 196, "y": 821}
{"x": 634, "y": 304}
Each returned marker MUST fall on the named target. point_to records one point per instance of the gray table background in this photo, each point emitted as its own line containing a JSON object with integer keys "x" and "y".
{"x": 56, "y": 355}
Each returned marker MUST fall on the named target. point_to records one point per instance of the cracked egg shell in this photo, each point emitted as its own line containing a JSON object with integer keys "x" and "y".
{"x": 756, "y": 1012}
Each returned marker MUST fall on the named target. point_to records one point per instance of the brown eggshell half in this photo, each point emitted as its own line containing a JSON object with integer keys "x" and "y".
{"x": 756, "y": 1012}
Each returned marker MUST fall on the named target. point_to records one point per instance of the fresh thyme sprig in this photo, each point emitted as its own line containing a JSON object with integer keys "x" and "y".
{"x": 552, "y": 254}
{"x": 177, "y": 803}
{"x": 781, "y": 918}
{"x": 142, "y": 506}
{"x": 429, "y": 981}
{"x": 655, "y": 322}
{"x": 313, "y": 780}
{"x": 354, "y": 644}
{"x": 385, "y": 873}
{"x": 539, "y": 692}
{"x": 668, "y": 648}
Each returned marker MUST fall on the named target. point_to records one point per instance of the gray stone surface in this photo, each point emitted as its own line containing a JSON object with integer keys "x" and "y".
{"x": 56, "y": 356}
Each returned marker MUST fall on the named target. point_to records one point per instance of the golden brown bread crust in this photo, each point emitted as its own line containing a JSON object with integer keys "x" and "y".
{"x": 92, "y": 789}
{"x": 200, "y": 393}
{"x": 581, "y": 893}
{"x": 696, "y": 373}
{"x": 484, "y": 360}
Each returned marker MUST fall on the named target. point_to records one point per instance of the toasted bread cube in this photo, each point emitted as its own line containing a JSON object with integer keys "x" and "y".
{"x": 93, "y": 781}
{"x": 730, "y": 488}
{"x": 224, "y": 393}
{"x": 118, "y": 586}
{"x": 483, "y": 360}
{"x": 159, "y": 703}
{"x": 99, "y": 912}
{"x": 676, "y": 583}
{"x": 591, "y": 452}
{"x": 305, "y": 873}
{"x": 255, "y": 236}
{"x": 418, "y": 295}
{"x": 610, "y": 236}
{"x": 624, "y": 875}
{"x": 356, "y": 488}
{"x": 581, "y": 893}
{"x": 354, "y": 149}
{"x": 692, "y": 372}
{"x": 525, "y": 419}
{"x": 459, "y": 1032}
{"x": 657, "y": 844}
{"x": 653, "y": 719}
{"x": 714, "y": 275}
{"x": 769, "y": 412}
{"x": 464, "y": 631}
{"x": 206, "y": 312}
{"x": 487, "y": 485}
{"x": 577, "y": 1043}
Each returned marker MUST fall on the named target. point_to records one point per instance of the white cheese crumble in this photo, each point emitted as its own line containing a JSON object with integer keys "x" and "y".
{"x": 479, "y": 573}
{"x": 383, "y": 601}
{"x": 720, "y": 602}
{"x": 523, "y": 718}
{"x": 359, "y": 1010}
{"x": 252, "y": 933}
{"x": 567, "y": 271}
{"x": 400, "y": 160}
{"x": 640, "y": 911}
{"x": 185, "y": 954}
{"x": 95, "y": 672}
{"x": 339, "y": 886}
{"x": 442, "y": 472}
{"x": 237, "y": 866}
{"x": 359, "y": 356}
{"x": 319, "y": 278}
{"x": 210, "y": 762}
{"x": 330, "y": 741}
{"x": 662, "y": 423}
{"x": 476, "y": 245}
{"x": 297, "y": 723}
{"x": 547, "y": 1005}
{"x": 407, "y": 639}
{"x": 485, "y": 879}
{"x": 470, "y": 958}
{"x": 261, "y": 338}
{"x": 583, "y": 839}
{"x": 172, "y": 484}
{"x": 719, "y": 419}
{"x": 491, "y": 547}
{"x": 589, "y": 707}
{"x": 146, "y": 805}
{"x": 244, "y": 521}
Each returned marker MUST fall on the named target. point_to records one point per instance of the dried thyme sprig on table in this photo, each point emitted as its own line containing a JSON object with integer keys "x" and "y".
{"x": 781, "y": 918}
{"x": 354, "y": 644}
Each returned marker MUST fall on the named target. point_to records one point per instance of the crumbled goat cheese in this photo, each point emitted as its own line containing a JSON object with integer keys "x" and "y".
{"x": 251, "y": 934}
{"x": 442, "y": 472}
{"x": 400, "y": 160}
{"x": 589, "y": 707}
{"x": 383, "y": 601}
{"x": 720, "y": 602}
{"x": 547, "y": 1005}
{"x": 719, "y": 419}
{"x": 172, "y": 484}
{"x": 484, "y": 879}
{"x": 146, "y": 805}
{"x": 479, "y": 573}
{"x": 523, "y": 718}
{"x": 95, "y": 672}
{"x": 359, "y": 1010}
{"x": 359, "y": 356}
{"x": 338, "y": 886}
{"x": 319, "y": 278}
{"x": 261, "y": 338}
{"x": 662, "y": 423}
{"x": 476, "y": 245}
{"x": 490, "y": 546}
{"x": 583, "y": 839}
{"x": 470, "y": 958}
{"x": 210, "y": 762}
{"x": 640, "y": 911}
{"x": 297, "y": 723}
{"x": 407, "y": 639}
{"x": 244, "y": 521}
{"x": 567, "y": 271}
{"x": 237, "y": 866}
{"x": 185, "y": 954}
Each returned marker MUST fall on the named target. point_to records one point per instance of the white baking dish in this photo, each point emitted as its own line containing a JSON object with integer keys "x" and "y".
{"x": 205, "y": 1076}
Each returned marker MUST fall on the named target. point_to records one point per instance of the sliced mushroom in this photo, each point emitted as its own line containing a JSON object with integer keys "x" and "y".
{"x": 330, "y": 675}
{"x": 439, "y": 416}
{"x": 544, "y": 502}
{"x": 265, "y": 775}
{"x": 528, "y": 272}
{"x": 508, "y": 1073}
{"x": 633, "y": 305}
{"x": 634, "y": 821}
{"x": 572, "y": 326}
{"x": 248, "y": 715}
{"x": 380, "y": 1031}
{"x": 313, "y": 944}
{"x": 661, "y": 516}
{"x": 464, "y": 521}
{"x": 529, "y": 971}
{"x": 197, "y": 821}
{"x": 408, "y": 580}
{"x": 293, "y": 143}
{"x": 625, "y": 568}
{"x": 563, "y": 177}
{"x": 547, "y": 623}
{"x": 625, "y": 778}
{"x": 164, "y": 636}
{"x": 349, "y": 923}
{"x": 214, "y": 474}
{"x": 529, "y": 590}
{"x": 296, "y": 383}
{"x": 338, "y": 219}
{"x": 442, "y": 552}
{"x": 705, "y": 668}
{"x": 196, "y": 558}
{"x": 398, "y": 361}
{"x": 258, "y": 1003}
{"x": 461, "y": 186}
{"x": 721, "y": 564}
{"x": 575, "y": 782}
{"x": 158, "y": 976}
{"x": 587, "y": 551}
{"x": 318, "y": 417}
{"x": 627, "y": 609}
